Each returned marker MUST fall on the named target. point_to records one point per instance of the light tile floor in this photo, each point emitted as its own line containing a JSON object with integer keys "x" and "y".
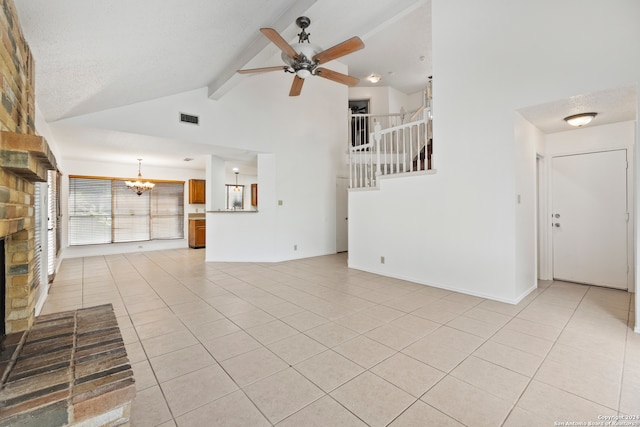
{"x": 312, "y": 343}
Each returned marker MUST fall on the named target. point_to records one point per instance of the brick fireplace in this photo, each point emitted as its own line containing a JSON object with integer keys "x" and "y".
{"x": 25, "y": 159}
{"x": 61, "y": 369}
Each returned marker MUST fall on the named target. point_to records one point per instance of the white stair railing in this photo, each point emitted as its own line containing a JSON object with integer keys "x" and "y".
{"x": 398, "y": 149}
{"x": 362, "y": 125}
{"x": 400, "y": 143}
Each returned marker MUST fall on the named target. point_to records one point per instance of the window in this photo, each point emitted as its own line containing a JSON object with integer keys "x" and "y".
{"x": 103, "y": 210}
{"x": 54, "y": 213}
{"x": 167, "y": 211}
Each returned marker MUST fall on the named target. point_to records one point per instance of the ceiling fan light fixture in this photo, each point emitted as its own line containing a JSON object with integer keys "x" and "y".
{"x": 303, "y": 73}
{"x": 581, "y": 119}
{"x": 374, "y": 78}
{"x": 304, "y": 59}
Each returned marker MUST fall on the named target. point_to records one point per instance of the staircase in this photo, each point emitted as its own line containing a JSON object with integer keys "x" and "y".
{"x": 404, "y": 145}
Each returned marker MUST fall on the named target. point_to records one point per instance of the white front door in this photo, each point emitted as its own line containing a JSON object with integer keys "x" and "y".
{"x": 589, "y": 218}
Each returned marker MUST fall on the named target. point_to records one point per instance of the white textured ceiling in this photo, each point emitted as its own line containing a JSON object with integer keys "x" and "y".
{"x": 94, "y": 55}
{"x": 612, "y": 105}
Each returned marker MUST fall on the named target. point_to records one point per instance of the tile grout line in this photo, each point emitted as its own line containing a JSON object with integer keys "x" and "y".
{"x": 329, "y": 297}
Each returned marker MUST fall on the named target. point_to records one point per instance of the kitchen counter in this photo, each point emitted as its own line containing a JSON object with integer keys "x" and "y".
{"x": 232, "y": 212}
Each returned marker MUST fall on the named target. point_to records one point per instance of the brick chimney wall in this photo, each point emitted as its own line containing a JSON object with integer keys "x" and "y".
{"x": 17, "y": 116}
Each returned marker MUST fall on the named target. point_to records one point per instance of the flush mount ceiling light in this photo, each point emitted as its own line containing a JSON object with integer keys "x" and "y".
{"x": 374, "y": 78}
{"x": 138, "y": 186}
{"x": 580, "y": 119}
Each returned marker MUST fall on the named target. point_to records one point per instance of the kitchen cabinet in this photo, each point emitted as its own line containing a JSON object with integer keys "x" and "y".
{"x": 197, "y": 193}
{"x": 254, "y": 195}
{"x": 197, "y": 233}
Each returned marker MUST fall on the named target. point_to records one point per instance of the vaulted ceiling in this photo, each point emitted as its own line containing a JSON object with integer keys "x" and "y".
{"x": 95, "y": 55}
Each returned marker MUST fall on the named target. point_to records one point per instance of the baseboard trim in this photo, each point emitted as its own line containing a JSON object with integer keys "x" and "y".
{"x": 512, "y": 301}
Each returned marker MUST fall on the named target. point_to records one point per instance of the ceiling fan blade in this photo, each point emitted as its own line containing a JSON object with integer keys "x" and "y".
{"x": 341, "y": 49}
{"x": 277, "y": 39}
{"x": 296, "y": 87}
{"x": 336, "y": 76}
{"x": 262, "y": 70}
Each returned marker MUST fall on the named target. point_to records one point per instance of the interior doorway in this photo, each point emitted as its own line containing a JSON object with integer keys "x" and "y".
{"x": 342, "y": 214}
{"x": 359, "y": 121}
{"x": 543, "y": 267}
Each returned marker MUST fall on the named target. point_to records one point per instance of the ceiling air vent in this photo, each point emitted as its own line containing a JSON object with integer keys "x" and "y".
{"x": 188, "y": 118}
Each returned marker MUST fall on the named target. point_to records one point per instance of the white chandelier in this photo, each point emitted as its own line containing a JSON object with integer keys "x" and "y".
{"x": 138, "y": 186}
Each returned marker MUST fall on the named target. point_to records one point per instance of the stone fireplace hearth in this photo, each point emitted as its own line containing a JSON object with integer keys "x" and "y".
{"x": 69, "y": 368}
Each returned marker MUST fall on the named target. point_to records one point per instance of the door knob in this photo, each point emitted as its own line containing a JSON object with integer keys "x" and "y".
{"x": 557, "y": 224}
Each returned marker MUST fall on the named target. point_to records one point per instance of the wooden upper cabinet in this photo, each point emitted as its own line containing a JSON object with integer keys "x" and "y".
{"x": 197, "y": 191}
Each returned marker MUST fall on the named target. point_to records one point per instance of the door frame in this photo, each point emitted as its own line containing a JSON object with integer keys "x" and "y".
{"x": 342, "y": 209}
{"x": 546, "y": 252}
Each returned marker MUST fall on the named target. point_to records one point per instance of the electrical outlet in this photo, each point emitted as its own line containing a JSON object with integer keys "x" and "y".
{"x": 279, "y": 202}
{"x": 295, "y": 247}
{"x": 381, "y": 260}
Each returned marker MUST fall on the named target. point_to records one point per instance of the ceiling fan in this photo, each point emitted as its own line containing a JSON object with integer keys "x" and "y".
{"x": 303, "y": 58}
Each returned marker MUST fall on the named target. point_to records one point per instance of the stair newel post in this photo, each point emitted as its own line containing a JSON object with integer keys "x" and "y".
{"x": 428, "y": 142}
{"x": 377, "y": 135}
{"x": 351, "y": 128}
{"x": 410, "y": 144}
{"x": 350, "y": 154}
{"x": 350, "y": 149}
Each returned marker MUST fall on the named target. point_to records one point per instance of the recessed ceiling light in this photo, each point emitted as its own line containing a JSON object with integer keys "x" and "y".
{"x": 580, "y": 119}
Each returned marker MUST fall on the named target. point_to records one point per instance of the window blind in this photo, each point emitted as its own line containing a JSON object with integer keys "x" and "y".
{"x": 167, "y": 211}
{"x": 89, "y": 211}
{"x": 104, "y": 210}
{"x": 130, "y": 214}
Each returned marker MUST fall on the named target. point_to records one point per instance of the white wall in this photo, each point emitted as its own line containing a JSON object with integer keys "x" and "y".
{"x": 249, "y": 235}
{"x": 387, "y": 100}
{"x": 378, "y": 97}
{"x": 399, "y": 100}
{"x": 592, "y": 138}
{"x": 307, "y": 136}
{"x": 527, "y": 138}
{"x": 490, "y": 59}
